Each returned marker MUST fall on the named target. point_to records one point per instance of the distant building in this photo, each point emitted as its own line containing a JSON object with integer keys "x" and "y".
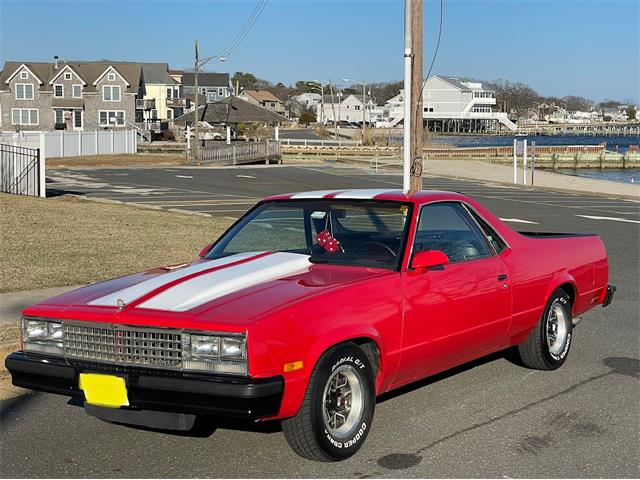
{"x": 348, "y": 108}
{"x": 452, "y": 104}
{"x": 615, "y": 114}
{"x": 69, "y": 95}
{"x": 265, "y": 99}
{"x": 163, "y": 97}
{"x": 213, "y": 86}
{"x": 309, "y": 100}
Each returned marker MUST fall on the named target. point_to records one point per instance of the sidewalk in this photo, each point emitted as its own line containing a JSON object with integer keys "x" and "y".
{"x": 503, "y": 174}
{"x": 12, "y": 304}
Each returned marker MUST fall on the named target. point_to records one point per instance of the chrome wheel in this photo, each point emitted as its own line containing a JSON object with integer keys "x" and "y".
{"x": 556, "y": 329}
{"x": 343, "y": 401}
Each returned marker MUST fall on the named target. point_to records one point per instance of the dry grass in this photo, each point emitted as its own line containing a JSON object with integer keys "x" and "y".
{"x": 9, "y": 342}
{"x": 66, "y": 241}
{"x": 117, "y": 160}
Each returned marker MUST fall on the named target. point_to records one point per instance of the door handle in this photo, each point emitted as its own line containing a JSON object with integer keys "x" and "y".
{"x": 502, "y": 277}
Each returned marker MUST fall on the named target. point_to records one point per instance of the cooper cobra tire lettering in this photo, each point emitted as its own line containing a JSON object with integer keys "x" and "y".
{"x": 314, "y": 433}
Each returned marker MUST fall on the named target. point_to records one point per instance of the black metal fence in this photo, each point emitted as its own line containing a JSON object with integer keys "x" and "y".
{"x": 19, "y": 170}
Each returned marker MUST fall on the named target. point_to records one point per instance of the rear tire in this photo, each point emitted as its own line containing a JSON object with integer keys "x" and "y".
{"x": 548, "y": 344}
{"x": 337, "y": 410}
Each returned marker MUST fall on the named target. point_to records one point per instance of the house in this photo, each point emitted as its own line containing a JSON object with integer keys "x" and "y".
{"x": 304, "y": 101}
{"x": 348, "y": 108}
{"x": 214, "y": 86}
{"x": 265, "y": 99}
{"x": 69, "y": 95}
{"x": 452, "y": 104}
{"x": 163, "y": 94}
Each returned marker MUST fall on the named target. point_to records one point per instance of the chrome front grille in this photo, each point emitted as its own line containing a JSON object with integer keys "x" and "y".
{"x": 123, "y": 345}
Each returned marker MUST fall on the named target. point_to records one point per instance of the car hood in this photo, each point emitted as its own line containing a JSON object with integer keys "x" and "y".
{"x": 236, "y": 289}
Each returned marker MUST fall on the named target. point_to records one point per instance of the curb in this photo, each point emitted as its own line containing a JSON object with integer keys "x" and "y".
{"x": 138, "y": 205}
{"x": 539, "y": 188}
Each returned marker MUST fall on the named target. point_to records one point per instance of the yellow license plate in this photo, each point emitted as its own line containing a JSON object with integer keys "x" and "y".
{"x": 104, "y": 390}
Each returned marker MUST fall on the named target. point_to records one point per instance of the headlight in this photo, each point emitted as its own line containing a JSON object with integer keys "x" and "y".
{"x": 215, "y": 353}
{"x": 42, "y": 336}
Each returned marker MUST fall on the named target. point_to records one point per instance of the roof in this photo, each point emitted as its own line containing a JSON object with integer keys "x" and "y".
{"x": 67, "y": 103}
{"x": 157, "y": 73}
{"x": 455, "y": 81}
{"x": 206, "y": 79}
{"x": 262, "y": 95}
{"x": 233, "y": 110}
{"x": 423, "y": 196}
{"x": 88, "y": 71}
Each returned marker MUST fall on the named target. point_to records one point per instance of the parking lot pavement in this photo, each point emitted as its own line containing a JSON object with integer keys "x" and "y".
{"x": 231, "y": 191}
{"x": 490, "y": 418}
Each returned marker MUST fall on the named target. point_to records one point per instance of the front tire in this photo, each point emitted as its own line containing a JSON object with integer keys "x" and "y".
{"x": 547, "y": 347}
{"x": 337, "y": 410}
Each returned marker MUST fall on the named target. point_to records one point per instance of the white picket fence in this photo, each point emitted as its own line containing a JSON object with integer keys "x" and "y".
{"x": 65, "y": 143}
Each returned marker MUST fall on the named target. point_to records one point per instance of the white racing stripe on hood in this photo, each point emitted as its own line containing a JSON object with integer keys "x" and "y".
{"x": 129, "y": 294}
{"x": 207, "y": 287}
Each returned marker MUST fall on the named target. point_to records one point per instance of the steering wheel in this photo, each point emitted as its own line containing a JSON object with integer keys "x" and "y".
{"x": 385, "y": 248}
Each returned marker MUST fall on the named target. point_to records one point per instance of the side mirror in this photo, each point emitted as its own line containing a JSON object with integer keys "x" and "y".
{"x": 429, "y": 258}
{"x": 205, "y": 250}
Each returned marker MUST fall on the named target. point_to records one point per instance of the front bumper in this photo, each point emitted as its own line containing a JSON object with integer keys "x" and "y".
{"x": 155, "y": 390}
{"x": 608, "y": 296}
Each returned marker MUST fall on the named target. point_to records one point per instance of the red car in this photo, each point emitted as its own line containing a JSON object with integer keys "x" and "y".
{"x": 310, "y": 306}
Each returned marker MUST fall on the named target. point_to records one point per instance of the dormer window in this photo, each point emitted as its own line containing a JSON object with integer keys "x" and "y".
{"x": 67, "y": 75}
{"x": 111, "y": 76}
{"x": 58, "y": 91}
{"x": 24, "y": 75}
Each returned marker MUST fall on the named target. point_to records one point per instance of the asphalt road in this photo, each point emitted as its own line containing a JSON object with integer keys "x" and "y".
{"x": 491, "y": 418}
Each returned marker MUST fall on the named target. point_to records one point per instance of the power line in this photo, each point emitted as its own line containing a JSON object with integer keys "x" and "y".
{"x": 244, "y": 31}
{"x": 435, "y": 54}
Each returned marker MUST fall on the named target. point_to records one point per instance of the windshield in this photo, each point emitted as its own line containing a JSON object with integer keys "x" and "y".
{"x": 363, "y": 233}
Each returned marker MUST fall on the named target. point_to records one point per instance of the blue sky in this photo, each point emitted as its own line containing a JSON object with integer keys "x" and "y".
{"x": 559, "y": 47}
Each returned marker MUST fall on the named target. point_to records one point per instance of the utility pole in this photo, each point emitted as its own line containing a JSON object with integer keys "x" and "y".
{"x": 406, "y": 149}
{"x": 196, "y": 140}
{"x": 333, "y": 109}
{"x": 416, "y": 123}
{"x": 364, "y": 109}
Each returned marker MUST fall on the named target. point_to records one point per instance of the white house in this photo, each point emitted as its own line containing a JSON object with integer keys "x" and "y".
{"x": 451, "y": 103}
{"x": 348, "y": 108}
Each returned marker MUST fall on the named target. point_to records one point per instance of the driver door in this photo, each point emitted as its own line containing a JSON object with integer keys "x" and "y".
{"x": 456, "y": 312}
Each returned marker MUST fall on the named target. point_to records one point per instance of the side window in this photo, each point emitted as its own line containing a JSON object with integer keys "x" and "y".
{"x": 496, "y": 242}
{"x": 449, "y": 228}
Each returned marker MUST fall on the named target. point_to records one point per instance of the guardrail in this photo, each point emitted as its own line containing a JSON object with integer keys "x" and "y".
{"x": 321, "y": 142}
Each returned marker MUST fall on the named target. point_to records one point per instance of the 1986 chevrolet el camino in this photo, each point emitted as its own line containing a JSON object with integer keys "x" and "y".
{"x": 310, "y": 306}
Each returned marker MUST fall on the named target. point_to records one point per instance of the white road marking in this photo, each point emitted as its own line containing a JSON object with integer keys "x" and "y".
{"x": 184, "y": 176}
{"x": 518, "y": 220}
{"x": 614, "y": 219}
{"x": 245, "y": 176}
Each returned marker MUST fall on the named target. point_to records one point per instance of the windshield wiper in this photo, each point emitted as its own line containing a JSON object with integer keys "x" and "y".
{"x": 317, "y": 259}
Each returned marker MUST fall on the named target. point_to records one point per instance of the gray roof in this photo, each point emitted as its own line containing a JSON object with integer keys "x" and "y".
{"x": 233, "y": 110}
{"x": 206, "y": 79}
{"x": 88, "y": 71}
{"x": 157, "y": 73}
{"x": 455, "y": 81}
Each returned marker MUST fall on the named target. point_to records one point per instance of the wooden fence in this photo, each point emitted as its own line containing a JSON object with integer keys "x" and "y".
{"x": 214, "y": 152}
